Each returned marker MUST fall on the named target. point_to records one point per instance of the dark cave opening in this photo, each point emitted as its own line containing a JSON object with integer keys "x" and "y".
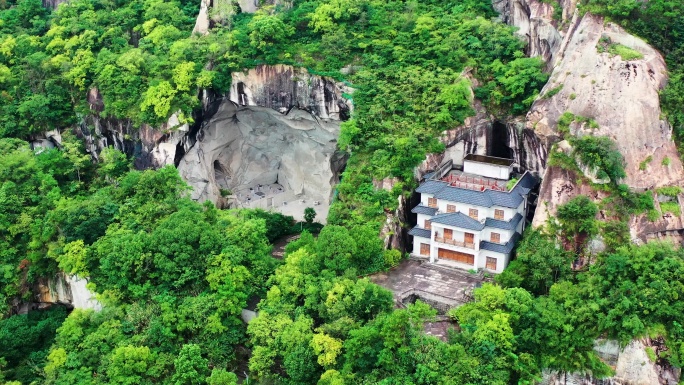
{"x": 498, "y": 143}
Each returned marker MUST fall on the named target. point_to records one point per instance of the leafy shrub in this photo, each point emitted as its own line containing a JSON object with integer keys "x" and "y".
{"x": 645, "y": 162}
{"x": 564, "y": 123}
{"x": 553, "y": 92}
{"x": 600, "y": 153}
{"x": 625, "y": 52}
{"x": 670, "y": 207}
{"x": 670, "y": 191}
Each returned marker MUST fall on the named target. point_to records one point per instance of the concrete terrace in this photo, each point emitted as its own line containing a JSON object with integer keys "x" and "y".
{"x": 442, "y": 287}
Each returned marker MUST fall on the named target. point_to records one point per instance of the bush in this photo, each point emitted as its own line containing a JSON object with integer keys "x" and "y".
{"x": 600, "y": 153}
{"x": 670, "y": 207}
{"x": 670, "y": 191}
{"x": 553, "y": 92}
{"x": 625, "y": 52}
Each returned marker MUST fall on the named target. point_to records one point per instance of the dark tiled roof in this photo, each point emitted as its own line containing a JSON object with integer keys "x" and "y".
{"x": 505, "y": 199}
{"x": 506, "y": 225}
{"x": 418, "y": 232}
{"x": 487, "y": 198}
{"x": 527, "y": 181}
{"x": 472, "y": 197}
{"x": 498, "y": 248}
{"x": 431, "y": 187}
{"x": 420, "y": 209}
{"x": 429, "y": 175}
{"x": 458, "y": 220}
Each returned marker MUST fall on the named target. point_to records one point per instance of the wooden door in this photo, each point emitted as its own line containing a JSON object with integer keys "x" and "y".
{"x": 432, "y": 202}
{"x": 469, "y": 238}
{"x": 473, "y": 213}
{"x": 424, "y": 249}
{"x": 451, "y": 208}
{"x": 498, "y": 214}
{"x": 457, "y": 256}
{"x": 448, "y": 234}
{"x": 491, "y": 263}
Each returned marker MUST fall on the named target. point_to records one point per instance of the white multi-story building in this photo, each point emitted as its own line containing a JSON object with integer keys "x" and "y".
{"x": 471, "y": 219}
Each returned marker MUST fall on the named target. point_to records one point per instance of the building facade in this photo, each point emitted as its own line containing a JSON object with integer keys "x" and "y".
{"x": 471, "y": 219}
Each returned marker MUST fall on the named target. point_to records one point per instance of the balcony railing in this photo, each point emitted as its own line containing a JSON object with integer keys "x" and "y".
{"x": 454, "y": 243}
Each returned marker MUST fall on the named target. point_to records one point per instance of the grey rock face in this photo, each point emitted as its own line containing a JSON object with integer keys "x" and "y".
{"x": 283, "y": 87}
{"x": 257, "y": 145}
{"x": 621, "y": 96}
{"x": 535, "y": 23}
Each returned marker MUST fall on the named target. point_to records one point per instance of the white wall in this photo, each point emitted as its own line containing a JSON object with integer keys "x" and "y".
{"x": 501, "y": 263}
{"x": 486, "y": 169}
{"x": 487, "y": 234}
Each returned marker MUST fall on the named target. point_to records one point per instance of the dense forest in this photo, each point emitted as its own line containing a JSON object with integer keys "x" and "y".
{"x": 173, "y": 275}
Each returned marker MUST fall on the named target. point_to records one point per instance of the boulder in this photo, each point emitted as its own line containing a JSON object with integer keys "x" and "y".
{"x": 257, "y": 145}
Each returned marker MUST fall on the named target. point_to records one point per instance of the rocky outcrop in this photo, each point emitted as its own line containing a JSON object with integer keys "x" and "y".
{"x": 632, "y": 367}
{"x": 621, "y": 96}
{"x": 535, "y": 22}
{"x": 60, "y": 289}
{"x": 283, "y": 87}
{"x": 52, "y": 4}
{"x": 257, "y": 145}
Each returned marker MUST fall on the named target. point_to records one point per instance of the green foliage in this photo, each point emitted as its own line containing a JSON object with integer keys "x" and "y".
{"x": 309, "y": 215}
{"x": 552, "y": 92}
{"x": 670, "y": 207}
{"x": 669, "y": 191}
{"x": 539, "y": 263}
{"x": 600, "y": 153}
{"x": 645, "y": 163}
{"x": 564, "y": 123}
{"x": 666, "y": 161}
{"x": 626, "y": 53}
{"x": 25, "y": 341}
{"x": 577, "y": 219}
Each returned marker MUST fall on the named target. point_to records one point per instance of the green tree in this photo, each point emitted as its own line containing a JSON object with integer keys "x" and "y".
{"x": 309, "y": 215}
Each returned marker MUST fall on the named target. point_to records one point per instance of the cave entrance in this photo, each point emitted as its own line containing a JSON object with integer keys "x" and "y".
{"x": 498, "y": 143}
{"x": 222, "y": 175}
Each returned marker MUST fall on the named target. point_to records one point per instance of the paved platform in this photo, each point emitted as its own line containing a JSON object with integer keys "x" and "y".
{"x": 436, "y": 284}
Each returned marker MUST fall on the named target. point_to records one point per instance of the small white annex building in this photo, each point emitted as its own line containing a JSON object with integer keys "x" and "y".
{"x": 471, "y": 219}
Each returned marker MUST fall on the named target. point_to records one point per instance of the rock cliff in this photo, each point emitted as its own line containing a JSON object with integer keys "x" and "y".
{"x": 283, "y": 87}
{"x": 620, "y": 95}
{"x": 248, "y": 146}
{"x": 59, "y": 289}
{"x": 588, "y": 81}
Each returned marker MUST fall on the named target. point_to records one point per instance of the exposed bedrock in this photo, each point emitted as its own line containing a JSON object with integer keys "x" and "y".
{"x": 257, "y": 145}
{"x": 60, "y": 289}
{"x": 483, "y": 134}
{"x": 631, "y": 363}
{"x": 283, "y": 87}
{"x": 621, "y": 96}
{"x": 535, "y": 22}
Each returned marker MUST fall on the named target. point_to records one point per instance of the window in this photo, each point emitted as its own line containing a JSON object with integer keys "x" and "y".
{"x": 473, "y": 213}
{"x": 451, "y": 208}
{"x": 428, "y": 225}
{"x": 495, "y": 237}
{"x": 448, "y": 234}
{"x": 491, "y": 263}
{"x": 498, "y": 214}
{"x": 424, "y": 249}
{"x": 432, "y": 202}
{"x": 469, "y": 239}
